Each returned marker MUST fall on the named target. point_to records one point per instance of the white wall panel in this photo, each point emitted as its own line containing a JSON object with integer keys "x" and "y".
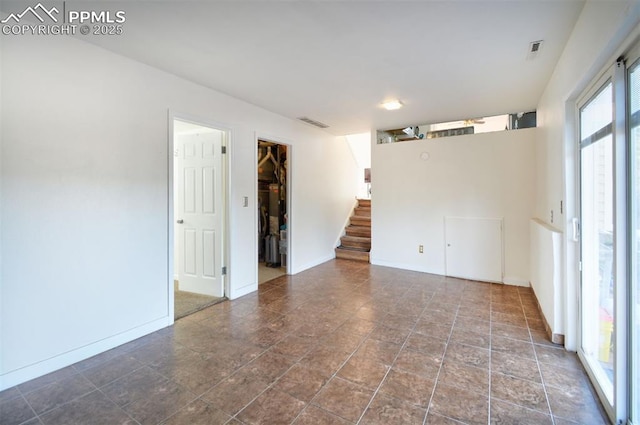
{"x": 85, "y": 190}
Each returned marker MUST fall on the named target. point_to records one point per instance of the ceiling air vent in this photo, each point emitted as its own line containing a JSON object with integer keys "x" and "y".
{"x": 534, "y": 49}
{"x": 313, "y": 122}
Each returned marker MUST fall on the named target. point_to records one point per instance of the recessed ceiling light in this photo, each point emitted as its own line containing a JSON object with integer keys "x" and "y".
{"x": 391, "y": 105}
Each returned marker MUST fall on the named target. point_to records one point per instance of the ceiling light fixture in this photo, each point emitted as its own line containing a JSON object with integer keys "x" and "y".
{"x": 391, "y": 105}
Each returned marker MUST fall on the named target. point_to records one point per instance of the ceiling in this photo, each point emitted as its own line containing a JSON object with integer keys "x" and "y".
{"x": 335, "y": 62}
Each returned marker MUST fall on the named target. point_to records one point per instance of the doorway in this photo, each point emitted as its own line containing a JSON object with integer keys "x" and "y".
{"x": 609, "y": 130}
{"x": 273, "y": 209}
{"x": 198, "y": 209}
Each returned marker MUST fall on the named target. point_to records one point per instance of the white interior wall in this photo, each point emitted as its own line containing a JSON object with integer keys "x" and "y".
{"x": 480, "y": 176}
{"x": 360, "y": 145}
{"x": 546, "y": 273}
{"x": 85, "y": 183}
{"x": 603, "y": 31}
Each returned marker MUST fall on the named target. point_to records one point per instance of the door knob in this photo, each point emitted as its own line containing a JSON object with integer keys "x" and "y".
{"x": 180, "y": 221}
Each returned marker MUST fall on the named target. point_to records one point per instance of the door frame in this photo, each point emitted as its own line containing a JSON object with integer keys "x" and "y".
{"x": 226, "y": 184}
{"x": 590, "y": 93}
{"x": 616, "y": 75}
{"x": 290, "y": 215}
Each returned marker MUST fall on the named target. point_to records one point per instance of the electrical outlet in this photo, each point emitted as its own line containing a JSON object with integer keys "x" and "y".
{"x": 420, "y": 249}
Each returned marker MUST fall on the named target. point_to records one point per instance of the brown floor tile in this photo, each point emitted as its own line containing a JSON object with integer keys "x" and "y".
{"x": 536, "y": 324}
{"x": 541, "y": 337}
{"x": 415, "y": 389}
{"x": 269, "y": 365}
{"x": 509, "y": 319}
{"x": 301, "y": 382}
{"x": 93, "y": 408}
{"x": 272, "y": 407}
{"x": 399, "y": 321}
{"x": 466, "y": 354}
{"x": 133, "y": 386}
{"x": 199, "y": 375}
{"x": 557, "y": 357}
{"x": 342, "y": 340}
{"x": 58, "y": 393}
{"x": 235, "y": 392}
{"x": 336, "y": 392}
{"x": 160, "y": 402}
{"x": 563, "y": 378}
{"x": 454, "y": 374}
{"x": 459, "y": 404}
{"x": 475, "y": 339}
{"x": 344, "y": 318}
{"x": 507, "y": 308}
{"x": 198, "y": 413}
{"x": 510, "y": 414}
{"x": 577, "y": 405}
{"x": 425, "y": 344}
{"x": 14, "y": 411}
{"x": 392, "y": 411}
{"x": 518, "y": 391}
{"x": 434, "y": 330}
{"x": 364, "y": 370}
{"x": 9, "y": 393}
{"x": 294, "y": 347}
{"x": 265, "y": 337}
{"x": 508, "y": 331}
{"x": 419, "y": 363}
{"x": 58, "y": 375}
{"x": 379, "y": 350}
{"x": 435, "y": 419}
{"x": 475, "y": 313}
{"x": 389, "y": 334}
{"x": 371, "y": 312}
{"x": 519, "y": 367}
{"x": 325, "y": 359}
{"x": 512, "y": 346}
{"x": 112, "y": 369}
{"x": 313, "y": 415}
{"x": 444, "y": 318}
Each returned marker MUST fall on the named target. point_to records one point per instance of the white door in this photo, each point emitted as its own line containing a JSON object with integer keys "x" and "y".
{"x": 474, "y": 248}
{"x": 199, "y": 211}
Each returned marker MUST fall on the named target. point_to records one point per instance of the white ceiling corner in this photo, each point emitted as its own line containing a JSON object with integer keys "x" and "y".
{"x": 335, "y": 62}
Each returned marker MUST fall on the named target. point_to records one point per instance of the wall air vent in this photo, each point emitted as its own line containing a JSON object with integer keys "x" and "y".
{"x": 534, "y": 49}
{"x": 313, "y": 122}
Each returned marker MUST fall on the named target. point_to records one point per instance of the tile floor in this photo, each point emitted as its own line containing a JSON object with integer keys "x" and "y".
{"x": 342, "y": 343}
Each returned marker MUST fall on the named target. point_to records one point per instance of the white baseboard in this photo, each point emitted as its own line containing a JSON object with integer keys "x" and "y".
{"x": 514, "y": 281}
{"x": 24, "y": 374}
{"x": 402, "y": 266}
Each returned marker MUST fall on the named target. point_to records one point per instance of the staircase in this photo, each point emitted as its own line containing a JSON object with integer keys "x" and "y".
{"x": 356, "y": 243}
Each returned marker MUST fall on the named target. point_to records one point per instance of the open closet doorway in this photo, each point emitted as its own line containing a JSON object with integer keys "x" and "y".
{"x": 198, "y": 210}
{"x": 273, "y": 210}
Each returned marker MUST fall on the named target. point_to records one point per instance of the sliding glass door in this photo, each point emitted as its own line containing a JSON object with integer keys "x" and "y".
{"x": 597, "y": 242}
{"x": 609, "y": 117}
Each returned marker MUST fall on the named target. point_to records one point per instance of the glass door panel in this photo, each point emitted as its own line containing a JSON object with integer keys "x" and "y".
{"x": 634, "y": 233}
{"x": 597, "y": 241}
